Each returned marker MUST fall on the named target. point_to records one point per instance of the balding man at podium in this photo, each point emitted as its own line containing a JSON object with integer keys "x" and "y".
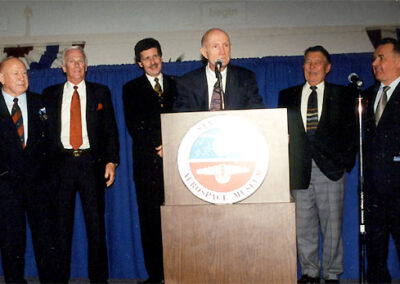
{"x": 200, "y": 90}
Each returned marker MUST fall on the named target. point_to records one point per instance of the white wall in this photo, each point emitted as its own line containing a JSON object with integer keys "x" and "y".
{"x": 257, "y": 28}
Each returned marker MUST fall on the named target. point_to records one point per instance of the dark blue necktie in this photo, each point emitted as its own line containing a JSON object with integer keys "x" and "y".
{"x": 312, "y": 112}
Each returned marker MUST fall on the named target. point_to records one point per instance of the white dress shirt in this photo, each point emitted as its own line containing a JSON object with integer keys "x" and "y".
{"x": 305, "y": 94}
{"x": 389, "y": 92}
{"x": 211, "y": 79}
{"x": 153, "y": 82}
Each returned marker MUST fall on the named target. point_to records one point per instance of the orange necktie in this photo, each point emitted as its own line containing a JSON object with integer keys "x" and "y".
{"x": 75, "y": 130}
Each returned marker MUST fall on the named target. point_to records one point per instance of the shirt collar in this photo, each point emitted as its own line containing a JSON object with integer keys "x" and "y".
{"x": 151, "y": 79}
{"x": 81, "y": 85}
{"x": 392, "y": 85}
{"x": 212, "y": 73}
{"x": 319, "y": 86}
{"x": 10, "y": 99}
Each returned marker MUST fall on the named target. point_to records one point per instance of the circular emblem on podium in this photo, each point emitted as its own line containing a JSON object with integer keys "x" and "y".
{"x": 223, "y": 159}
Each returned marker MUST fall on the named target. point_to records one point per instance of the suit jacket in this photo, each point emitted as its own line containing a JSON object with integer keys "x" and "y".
{"x": 382, "y": 145}
{"x": 142, "y": 111}
{"x": 241, "y": 90}
{"x": 333, "y": 146}
{"x": 16, "y": 163}
{"x": 101, "y": 126}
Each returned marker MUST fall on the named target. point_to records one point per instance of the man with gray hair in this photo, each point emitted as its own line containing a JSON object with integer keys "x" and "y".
{"x": 85, "y": 149}
{"x": 322, "y": 147}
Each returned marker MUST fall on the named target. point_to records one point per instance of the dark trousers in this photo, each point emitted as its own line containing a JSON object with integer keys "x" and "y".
{"x": 382, "y": 219}
{"x": 18, "y": 198}
{"x": 82, "y": 174}
{"x": 149, "y": 186}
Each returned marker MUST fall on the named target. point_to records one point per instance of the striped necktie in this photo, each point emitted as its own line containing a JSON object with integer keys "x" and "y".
{"x": 16, "y": 116}
{"x": 312, "y": 112}
{"x": 381, "y": 104}
{"x": 216, "y": 98}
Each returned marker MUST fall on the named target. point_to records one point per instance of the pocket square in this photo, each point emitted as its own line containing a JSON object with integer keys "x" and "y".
{"x": 99, "y": 106}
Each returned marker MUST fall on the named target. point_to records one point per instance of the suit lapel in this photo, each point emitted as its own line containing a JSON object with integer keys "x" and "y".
{"x": 10, "y": 130}
{"x": 4, "y": 113}
{"x": 391, "y": 104}
{"x": 370, "y": 112}
{"x": 297, "y": 105}
{"x": 202, "y": 87}
{"x": 58, "y": 104}
{"x": 146, "y": 84}
{"x": 90, "y": 107}
{"x": 230, "y": 80}
{"x": 166, "y": 84}
{"x": 167, "y": 96}
{"x": 32, "y": 123}
{"x": 327, "y": 98}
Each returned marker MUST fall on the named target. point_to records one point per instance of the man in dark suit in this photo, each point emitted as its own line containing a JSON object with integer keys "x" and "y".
{"x": 322, "y": 146}
{"x": 145, "y": 98}
{"x": 85, "y": 149}
{"x": 24, "y": 188}
{"x": 196, "y": 88}
{"x": 382, "y": 160}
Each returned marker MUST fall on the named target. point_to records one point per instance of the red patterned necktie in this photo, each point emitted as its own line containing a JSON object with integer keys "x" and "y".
{"x": 75, "y": 131}
{"x": 16, "y": 116}
{"x": 216, "y": 98}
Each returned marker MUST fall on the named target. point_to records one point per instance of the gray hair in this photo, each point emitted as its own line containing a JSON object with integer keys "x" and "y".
{"x": 75, "y": 47}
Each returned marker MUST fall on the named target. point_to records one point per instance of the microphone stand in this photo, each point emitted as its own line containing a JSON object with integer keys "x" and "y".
{"x": 362, "y": 232}
{"x": 219, "y": 79}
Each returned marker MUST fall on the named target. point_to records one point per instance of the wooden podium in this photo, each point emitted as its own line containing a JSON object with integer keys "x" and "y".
{"x": 251, "y": 241}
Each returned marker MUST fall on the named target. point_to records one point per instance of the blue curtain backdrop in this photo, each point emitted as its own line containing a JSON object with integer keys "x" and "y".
{"x": 123, "y": 235}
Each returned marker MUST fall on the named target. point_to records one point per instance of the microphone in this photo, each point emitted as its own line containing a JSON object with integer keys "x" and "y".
{"x": 354, "y": 79}
{"x": 218, "y": 65}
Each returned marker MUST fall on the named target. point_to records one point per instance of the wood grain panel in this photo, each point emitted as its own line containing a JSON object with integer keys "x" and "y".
{"x": 242, "y": 243}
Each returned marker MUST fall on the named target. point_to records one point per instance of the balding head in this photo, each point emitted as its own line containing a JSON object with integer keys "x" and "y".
{"x": 204, "y": 38}
{"x": 13, "y": 76}
{"x": 215, "y": 44}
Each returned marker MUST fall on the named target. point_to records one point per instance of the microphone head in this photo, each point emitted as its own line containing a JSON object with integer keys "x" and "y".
{"x": 352, "y": 76}
{"x": 354, "y": 79}
{"x": 219, "y": 63}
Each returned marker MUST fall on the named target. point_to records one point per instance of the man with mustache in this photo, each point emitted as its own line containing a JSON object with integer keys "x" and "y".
{"x": 382, "y": 160}
{"x": 322, "y": 146}
{"x": 145, "y": 98}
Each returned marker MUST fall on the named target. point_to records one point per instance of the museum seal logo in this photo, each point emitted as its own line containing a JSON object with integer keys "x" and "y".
{"x": 223, "y": 159}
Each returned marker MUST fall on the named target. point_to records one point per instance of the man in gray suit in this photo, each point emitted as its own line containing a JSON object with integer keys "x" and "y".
{"x": 322, "y": 146}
